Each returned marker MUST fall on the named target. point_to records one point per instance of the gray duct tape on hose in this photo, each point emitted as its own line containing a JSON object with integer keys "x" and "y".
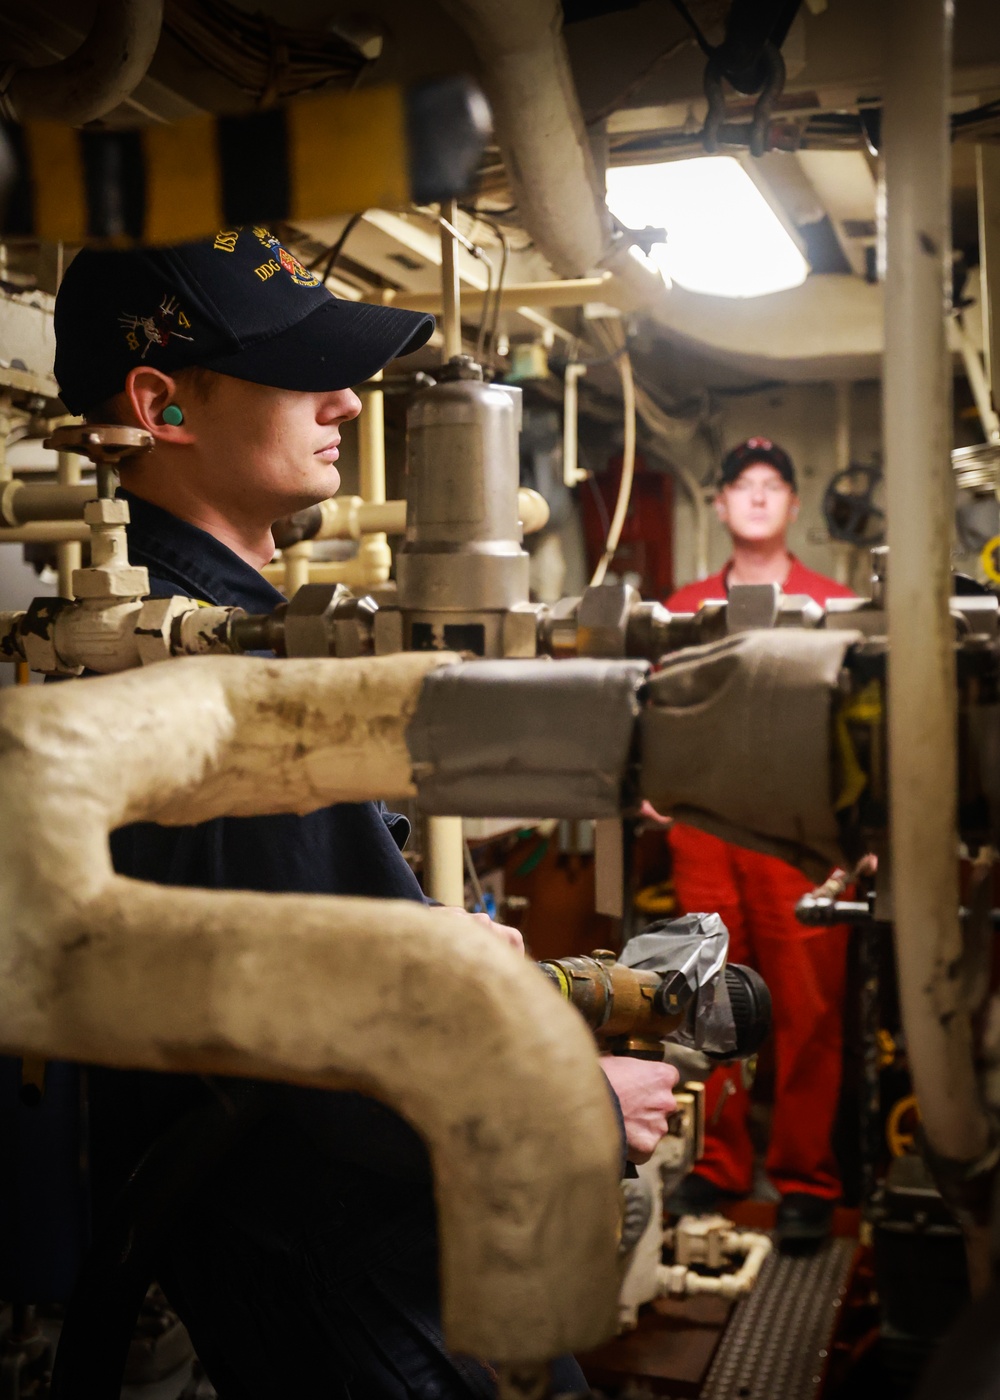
{"x": 695, "y": 945}
{"x": 526, "y": 738}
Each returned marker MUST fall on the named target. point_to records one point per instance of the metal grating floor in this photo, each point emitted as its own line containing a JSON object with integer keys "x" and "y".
{"x": 774, "y": 1347}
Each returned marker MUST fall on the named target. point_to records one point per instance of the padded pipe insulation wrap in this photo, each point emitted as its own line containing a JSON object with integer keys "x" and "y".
{"x": 527, "y": 738}
{"x": 736, "y": 741}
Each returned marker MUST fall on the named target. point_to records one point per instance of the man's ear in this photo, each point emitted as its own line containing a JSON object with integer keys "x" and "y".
{"x": 793, "y": 513}
{"x": 721, "y": 509}
{"x": 149, "y": 391}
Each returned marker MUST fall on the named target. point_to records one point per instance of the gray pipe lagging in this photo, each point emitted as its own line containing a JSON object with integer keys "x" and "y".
{"x": 90, "y": 82}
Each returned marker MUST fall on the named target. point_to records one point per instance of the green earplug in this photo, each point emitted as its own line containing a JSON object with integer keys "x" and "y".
{"x": 173, "y": 415}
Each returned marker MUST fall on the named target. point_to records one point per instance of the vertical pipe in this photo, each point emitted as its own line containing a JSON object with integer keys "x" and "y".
{"x": 6, "y": 423}
{"x": 869, "y": 940}
{"x": 572, "y": 475}
{"x": 296, "y": 561}
{"x": 451, "y": 290}
{"x": 374, "y": 558}
{"x": 371, "y": 447}
{"x": 444, "y": 860}
{"x": 444, "y": 849}
{"x": 978, "y": 385}
{"x": 843, "y": 553}
{"x": 988, "y": 199}
{"x": 922, "y": 701}
{"x": 842, "y": 440}
{"x": 69, "y": 553}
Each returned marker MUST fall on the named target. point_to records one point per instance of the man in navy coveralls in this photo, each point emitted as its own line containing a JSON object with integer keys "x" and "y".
{"x": 306, "y": 1262}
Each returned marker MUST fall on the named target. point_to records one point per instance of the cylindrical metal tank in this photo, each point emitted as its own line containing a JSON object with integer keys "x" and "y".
{"x": 461, "y": 566}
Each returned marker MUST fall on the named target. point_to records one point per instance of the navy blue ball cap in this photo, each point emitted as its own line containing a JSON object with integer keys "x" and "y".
{"x": 240, "y": 304}
{"x": 757, "y": 451}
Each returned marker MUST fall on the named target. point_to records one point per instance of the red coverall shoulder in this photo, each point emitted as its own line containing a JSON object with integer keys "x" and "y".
{"x": 800, "y": 580}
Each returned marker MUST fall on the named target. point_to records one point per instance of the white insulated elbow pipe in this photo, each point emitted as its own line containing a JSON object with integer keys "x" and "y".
{"x": 418, "y": 1007}
{"x": 923, "y": 768}
{"x": 90, "y": 82}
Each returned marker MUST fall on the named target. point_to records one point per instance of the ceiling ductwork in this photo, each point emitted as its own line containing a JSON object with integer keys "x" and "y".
{"x": 94, "y": 79}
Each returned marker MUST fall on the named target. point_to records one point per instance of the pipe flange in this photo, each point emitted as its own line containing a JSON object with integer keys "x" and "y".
{"x": 460, "y": 367}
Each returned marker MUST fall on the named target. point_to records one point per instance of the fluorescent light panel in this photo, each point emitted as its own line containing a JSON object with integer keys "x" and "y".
{"x": 723, "y": 238}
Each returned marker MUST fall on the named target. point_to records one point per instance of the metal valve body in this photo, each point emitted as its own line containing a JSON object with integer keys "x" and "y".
{"x": 462, "y": 567}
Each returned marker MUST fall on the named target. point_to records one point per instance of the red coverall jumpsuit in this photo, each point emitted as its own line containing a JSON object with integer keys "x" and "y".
{"x": 805, "y": 969}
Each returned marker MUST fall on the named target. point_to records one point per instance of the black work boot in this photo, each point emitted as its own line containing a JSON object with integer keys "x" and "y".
{"x": 804, "y": 1222}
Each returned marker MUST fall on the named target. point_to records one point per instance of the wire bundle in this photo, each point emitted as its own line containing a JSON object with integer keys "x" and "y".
{"x": 260, "y": 57}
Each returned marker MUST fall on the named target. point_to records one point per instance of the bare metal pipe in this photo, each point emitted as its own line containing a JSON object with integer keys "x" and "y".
{"x": 574, "y": 291}
{"x": 90, "y": 82}
{"x": 69, "y": 553}
{"x": 295, "y": 564}
{"x": 352, "y": 517}
{"x": 451, "y": 291}
{"x": 444, "y": 849}
{"x": 444, "y": 860}
{"x": 922, "y": 704}
{"x": 21, "y": 503}
{"x": 374, "y": 554}
{"x": 46, "y": 532}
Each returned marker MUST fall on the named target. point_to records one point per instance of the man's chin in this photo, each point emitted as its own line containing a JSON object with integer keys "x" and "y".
{"x": 320, "y": 487}
{"x": 761, "y": 536}
{"x": 328, "y": 482}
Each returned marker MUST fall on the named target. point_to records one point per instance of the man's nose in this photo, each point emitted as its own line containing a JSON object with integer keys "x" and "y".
{"x": 340, "y": 407}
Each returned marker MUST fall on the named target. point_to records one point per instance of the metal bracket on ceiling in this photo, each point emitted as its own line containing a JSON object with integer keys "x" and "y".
{"x": 760, "y": 126}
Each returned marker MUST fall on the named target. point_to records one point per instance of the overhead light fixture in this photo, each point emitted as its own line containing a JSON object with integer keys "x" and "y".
{"x": 723, "y": 238}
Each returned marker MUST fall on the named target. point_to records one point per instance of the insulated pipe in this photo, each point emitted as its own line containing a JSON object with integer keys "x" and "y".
{"x": 679, "y": 1281}
{"x": 90, "y": 82}
{"x": 539, "y": 127}
{"x": 543, "y": 141}
{"x": 420, "y": 1008}
{"x": 919, "y": 491}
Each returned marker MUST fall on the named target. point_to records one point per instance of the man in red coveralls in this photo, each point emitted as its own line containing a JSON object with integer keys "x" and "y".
{"x": 755, "y": 896}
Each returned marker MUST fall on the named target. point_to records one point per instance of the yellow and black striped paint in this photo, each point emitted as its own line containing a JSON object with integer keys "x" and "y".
{"x": 314, "y": 158}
